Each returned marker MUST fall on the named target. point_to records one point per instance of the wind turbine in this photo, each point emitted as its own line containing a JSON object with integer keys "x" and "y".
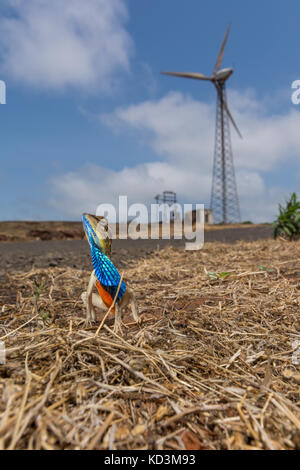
{"x": 224, "y": 198}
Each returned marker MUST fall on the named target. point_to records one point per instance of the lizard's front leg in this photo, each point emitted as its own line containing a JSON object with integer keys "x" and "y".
{"x": 133, "y": 304}
{"x": 91, "y": 300}
{"x": 90, "y": 313}
{"x": 129, "y": 298}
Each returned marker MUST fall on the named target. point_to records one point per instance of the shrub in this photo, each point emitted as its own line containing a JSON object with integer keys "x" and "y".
{"x": 287, "y": 224}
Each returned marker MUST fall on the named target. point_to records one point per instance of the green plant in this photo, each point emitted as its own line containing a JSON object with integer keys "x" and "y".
{"x": 287, "y": 223}
{"x": 44, "y": 315}
{"x": 217, "y": 277}
{"x": 268, "y": 270}
{"x": 39, "y": 289}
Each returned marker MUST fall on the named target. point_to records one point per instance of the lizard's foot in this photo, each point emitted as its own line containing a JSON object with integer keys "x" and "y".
{"x": 118, "y": 328}
{"x": 88, "y": 323}
{"x": 118, "y": 321}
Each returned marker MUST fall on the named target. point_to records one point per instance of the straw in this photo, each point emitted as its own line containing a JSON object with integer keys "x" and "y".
{"x": 213, "y": 363}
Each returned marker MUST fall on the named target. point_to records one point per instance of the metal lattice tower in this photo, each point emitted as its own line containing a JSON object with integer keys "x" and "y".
{"x": 168, "y": 198}
{"x": 224, "y": 197}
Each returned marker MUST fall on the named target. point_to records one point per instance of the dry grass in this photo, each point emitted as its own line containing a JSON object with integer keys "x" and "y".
{"x": 210, "y": 367}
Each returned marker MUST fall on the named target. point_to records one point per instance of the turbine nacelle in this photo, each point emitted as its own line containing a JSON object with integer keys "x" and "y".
{"x": 218, "y": 78}
{"x": 223, "y": 74}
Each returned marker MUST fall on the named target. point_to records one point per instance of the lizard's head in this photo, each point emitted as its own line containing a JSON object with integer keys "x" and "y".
{"x": 97, "y": 232}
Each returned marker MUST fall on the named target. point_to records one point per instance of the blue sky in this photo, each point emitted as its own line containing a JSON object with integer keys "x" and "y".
{"x": 88, "y": 115}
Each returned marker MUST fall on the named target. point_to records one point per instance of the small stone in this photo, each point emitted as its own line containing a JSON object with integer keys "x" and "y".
{"x": 139, "y": 429}
{"x": 288, "y": 373}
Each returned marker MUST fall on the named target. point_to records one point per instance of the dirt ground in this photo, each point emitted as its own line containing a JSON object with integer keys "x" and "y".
{"x": 24, "y": 255}
{"x": 213, "y": 364}
{"x": 24, "y": 231}
{"x": 59, "y": 230}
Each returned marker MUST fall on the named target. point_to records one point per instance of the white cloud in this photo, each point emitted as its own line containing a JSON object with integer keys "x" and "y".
{"x": 84, "y": 190}
{"x": 181, "y": 131}
{"x": 59, "y": 43}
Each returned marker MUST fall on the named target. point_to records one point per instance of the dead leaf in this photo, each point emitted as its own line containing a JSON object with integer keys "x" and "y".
{"x": 191, "y": 441}
{"x": 161, "y": 412}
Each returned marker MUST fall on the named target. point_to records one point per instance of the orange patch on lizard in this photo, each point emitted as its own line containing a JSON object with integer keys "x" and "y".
{"x": 105, "y": 296}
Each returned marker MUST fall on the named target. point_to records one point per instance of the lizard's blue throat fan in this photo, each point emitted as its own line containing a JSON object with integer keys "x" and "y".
{"x": 96, "y": 230}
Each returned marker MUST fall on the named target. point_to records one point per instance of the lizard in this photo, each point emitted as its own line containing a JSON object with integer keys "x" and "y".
{"x": 105, "y": 276}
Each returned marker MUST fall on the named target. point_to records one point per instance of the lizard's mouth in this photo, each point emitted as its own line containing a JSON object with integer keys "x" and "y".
{"x": 94, "y": 219}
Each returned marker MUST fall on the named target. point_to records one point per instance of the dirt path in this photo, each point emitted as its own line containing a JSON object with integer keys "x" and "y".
{"x": 75, "y": 253}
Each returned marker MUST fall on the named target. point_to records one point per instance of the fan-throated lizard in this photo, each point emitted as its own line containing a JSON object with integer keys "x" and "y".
{"x": 104, "y": 276}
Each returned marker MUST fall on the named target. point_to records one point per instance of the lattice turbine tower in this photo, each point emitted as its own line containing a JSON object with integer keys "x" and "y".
{"x": 224, "y": 196}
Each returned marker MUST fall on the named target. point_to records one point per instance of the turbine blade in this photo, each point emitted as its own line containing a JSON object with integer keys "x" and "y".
{"x": 221, "y": 53}
{"x": 231, "y": 118}
{"x": 196, "y": 76}
{"x": 227, "y": 111}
